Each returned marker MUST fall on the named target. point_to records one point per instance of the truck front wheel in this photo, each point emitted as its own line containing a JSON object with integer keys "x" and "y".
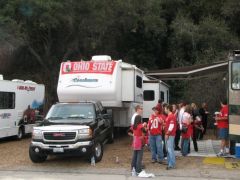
{"x": 36, "y": 157}
{"x": 98, "y": 151}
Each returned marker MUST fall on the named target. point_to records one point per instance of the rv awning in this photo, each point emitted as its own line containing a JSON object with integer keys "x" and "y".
{"x": 189, "y": 72}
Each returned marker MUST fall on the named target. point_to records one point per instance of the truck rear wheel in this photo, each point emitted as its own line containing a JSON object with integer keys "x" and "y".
{"x": 98, "y": 151}
{"x": 36, "y": 157}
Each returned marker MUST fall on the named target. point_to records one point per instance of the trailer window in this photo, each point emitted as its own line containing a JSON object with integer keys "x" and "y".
{"x": 235, "y": 75}
{"x": 162, "y": 96}
{"x": 7, "y": 100}
{"x": 139, "y": 81}
{"x": 148, "y": 95}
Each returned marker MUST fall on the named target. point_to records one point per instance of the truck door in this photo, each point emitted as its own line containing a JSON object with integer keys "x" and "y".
{"x": 101, "y": 129}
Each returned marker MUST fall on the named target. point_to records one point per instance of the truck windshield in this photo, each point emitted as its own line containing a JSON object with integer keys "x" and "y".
{"x": 236, "y": 75}
{"x": 71, "y": 111}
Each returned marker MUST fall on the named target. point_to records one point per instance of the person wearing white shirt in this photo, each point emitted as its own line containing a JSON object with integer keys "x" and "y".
{"x": 138, "y": 111}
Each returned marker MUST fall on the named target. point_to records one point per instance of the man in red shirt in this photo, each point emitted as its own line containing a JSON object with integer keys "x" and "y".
{"x": 222, "y": 123}
{"x": 170, "y": 133}
{"x": 155, "y": 136}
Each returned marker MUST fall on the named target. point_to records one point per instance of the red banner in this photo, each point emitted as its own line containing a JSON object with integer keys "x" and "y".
{"x": 88, "y": 67}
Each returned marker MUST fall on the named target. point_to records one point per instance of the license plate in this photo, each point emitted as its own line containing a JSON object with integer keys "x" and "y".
{"x": 58, "y": 150}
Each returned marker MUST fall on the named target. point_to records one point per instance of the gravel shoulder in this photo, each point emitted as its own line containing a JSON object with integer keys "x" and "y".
{"x": 14, "y": 156}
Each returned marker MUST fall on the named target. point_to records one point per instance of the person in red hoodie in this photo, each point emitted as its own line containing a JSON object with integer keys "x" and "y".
{"x": 155, "y": 136}
{"x": 170, "y": 133}
{"x": 222, "y": 123}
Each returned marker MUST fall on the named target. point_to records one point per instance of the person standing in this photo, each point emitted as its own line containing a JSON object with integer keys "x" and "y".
{"x": 175, "y": 111}
{"x": 182, "y": 106}
{"x": 138, "y": 132}
{"x": 155, "y": 131}
{"x": 204, "y": 114}
{"x": 222, "y": 123}
{"x": 138, "y": 111}
{"x": 186, "y": 130}
{"x": 195, "y": 116}
{"x": 170, "y": 132}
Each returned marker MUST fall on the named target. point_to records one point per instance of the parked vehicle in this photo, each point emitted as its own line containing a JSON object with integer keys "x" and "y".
{"x": 80, "y": 128}
{"x": 153, "y": 90}
{"x": 234, "y": 97}
{"x": 21, "y": 105}
{"x": 118, "y": 85}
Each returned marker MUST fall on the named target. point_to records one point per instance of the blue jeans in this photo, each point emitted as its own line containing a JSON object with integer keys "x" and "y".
{"x": 185, "y": 146}
{"x": 170, "y": 151}
{"x": 137, "y": 160}
{"x": 156, "y": 147}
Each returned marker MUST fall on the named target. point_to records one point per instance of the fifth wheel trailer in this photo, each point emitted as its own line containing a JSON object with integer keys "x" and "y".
{"x": 20, "y": 104}
{"x": 153, "y": 90}
{"x": 118, "y": 85}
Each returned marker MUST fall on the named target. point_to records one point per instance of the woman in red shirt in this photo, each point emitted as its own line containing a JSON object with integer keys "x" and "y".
{"x": 138, "y": 130}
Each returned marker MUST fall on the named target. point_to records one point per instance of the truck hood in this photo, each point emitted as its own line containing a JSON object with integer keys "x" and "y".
{"x": 61, "y": 127}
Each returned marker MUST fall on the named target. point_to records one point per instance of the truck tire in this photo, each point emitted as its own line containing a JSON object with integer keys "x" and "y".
{"x": 36, "y": 157}
{"x": 98, "y": 151}
{"x": 20, "y": 133}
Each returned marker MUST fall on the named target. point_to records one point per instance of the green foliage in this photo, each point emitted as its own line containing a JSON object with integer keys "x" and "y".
{"x": 153, "y": 34}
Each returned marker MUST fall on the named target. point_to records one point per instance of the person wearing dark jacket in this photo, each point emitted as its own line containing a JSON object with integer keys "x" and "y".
{"x": 204, "y": 115}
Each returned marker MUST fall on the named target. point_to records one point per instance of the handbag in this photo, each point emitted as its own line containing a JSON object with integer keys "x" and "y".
{"x": 184, "y": 129}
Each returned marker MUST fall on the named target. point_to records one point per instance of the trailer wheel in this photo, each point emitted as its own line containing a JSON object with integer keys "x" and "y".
{"x": 98, "y": 151}
{"x": 36, "y": 157}
{"x": 20, "y": 133}
{"x": 111, "y": 137}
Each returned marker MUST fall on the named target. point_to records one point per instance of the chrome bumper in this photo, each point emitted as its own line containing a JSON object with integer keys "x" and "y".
{"x": 65, "y": 146}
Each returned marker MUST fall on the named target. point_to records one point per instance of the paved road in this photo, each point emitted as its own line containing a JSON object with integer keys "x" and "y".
{"x": 16, "y": 175}
{"x": 116, "y": 174}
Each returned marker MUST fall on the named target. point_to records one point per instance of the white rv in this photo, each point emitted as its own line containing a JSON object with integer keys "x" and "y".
{"x": 153, "y": 90}
{"x": 118, "y": 85}
{"x": 20, "y": 104}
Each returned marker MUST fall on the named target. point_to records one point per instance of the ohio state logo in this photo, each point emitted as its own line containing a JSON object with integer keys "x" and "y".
{"x": 67, "y": 67}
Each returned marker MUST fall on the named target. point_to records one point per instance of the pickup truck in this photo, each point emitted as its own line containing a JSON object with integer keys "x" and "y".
{"x": 72, "y": 129}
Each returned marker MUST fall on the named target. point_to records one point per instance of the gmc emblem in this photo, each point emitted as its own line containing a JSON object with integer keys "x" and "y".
{"x": 58, "y": 134}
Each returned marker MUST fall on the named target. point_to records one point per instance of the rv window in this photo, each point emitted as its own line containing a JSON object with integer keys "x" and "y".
{"x": 139, "y": 81}
{"x": 236, "y": 75}
{"x": 162, "y": 96}
{"x": 7, "y": 100}
{"x": 148, "y": 95}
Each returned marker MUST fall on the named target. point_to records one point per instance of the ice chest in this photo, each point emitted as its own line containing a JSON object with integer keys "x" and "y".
{"x": 237, "y": 150}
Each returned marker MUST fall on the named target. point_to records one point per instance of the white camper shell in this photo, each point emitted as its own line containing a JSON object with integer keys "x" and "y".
{"x": 21, "y": 103}
{"x": 118, "y": 85}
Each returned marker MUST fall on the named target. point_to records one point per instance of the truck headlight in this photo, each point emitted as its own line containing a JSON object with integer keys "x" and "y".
{"x": 37, "y": 134}
{"x": 84, "y": 133}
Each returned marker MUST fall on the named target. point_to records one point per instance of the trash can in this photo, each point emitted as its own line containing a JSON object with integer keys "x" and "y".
{"x": 237, "y": 150}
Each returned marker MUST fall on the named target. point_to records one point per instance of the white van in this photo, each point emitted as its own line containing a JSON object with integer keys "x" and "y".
{"x": 21, "y": 104}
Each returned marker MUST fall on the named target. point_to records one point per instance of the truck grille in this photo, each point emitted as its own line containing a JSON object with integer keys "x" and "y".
{"x": 59, "y": 136}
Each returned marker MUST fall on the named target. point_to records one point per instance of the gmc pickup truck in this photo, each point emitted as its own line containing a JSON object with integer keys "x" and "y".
{"x": 72, "y": 129}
